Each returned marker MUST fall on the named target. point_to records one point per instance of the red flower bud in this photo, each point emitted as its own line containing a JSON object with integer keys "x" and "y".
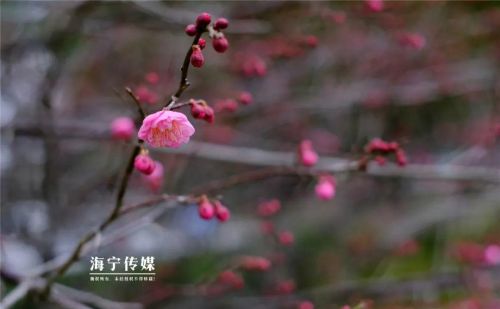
{"x": 305, "y": 305}
{"x": 205, "y": 209}
{"x": 197, "y": 59}
{"x": 190, "y": 30}
{"x": 255, "y": 263}
{"x": 286, "y": 238}
{"x": 221, "y": 23}
{"x": 231, "y": 279}
{"x": 221, "y": 212}
{"x": 144, "y": 164}
{"x": 245, "y": 98}
{"x": 269, "y": 208}
{"x": 307, "y": 156}
{"x": 203, "y": 20}
{"x": 202, "y": 43}
{"x": 220, "y": 44}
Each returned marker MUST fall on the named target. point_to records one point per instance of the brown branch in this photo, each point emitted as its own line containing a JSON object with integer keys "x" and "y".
{"x": 75, "y": 255}
{"x": 184, "y": 83}
{"x": 136, "y": 101}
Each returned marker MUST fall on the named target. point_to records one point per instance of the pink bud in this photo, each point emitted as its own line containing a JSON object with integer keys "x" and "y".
{"x": 325, "y": 189}
{"x": 152, "y": 77}
{"x": 267, "y": 227}
{"x": 221, "y": 23}
{"x": 220, "y": 44}
{"x": 197, "y": 59}
{"x": 155, "y": 179}
{"x": 306, "y": 305}
{"x": 311, "y": 41}
{"x": 413, "y": 40}
{"x": 203, "y": 20}
{"x": 255, "y": 263}
{"x": 205, "y": 209}
{"x": 202, "y": 43}
{"x": 268, "y": 208}
{"x": 231, "y": 278}
{"x": 285, "y": 287}
{"x": 286, "y": 238}
{"x": 245, "y": 98}
{"x": 190, "y": 30}
{"x": 380, "y": 160}
{"x": 122, "y": 128}
{"x": 374, "y": 5}
{"x": 197, "y": 110}
{"x": 221, "y": 212}
{"x": 401, "y": 157}
{"x": 492, "y": 254}
{"x": 144, "y": 164}
{"x": 307, "y": 156}
{"x": 227, "y": 105}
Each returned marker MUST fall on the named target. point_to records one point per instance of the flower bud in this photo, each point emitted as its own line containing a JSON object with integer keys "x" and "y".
{"x": 152, "y": 78}
{"x": 197, "y": 59}
{"x": 286, "y": 238}
{"x": 245, "y": 98}
{"x": 202, "y": 43}
{"x": 401, "y": 159}
{"x": 144, "y": 164}
{"x": 325, "y": 189}
{"x": 122, "y": 128}
{"x": 268, "y": 208}
{"x": 374, "y": 5}
{"x": 205, "y": 209}
{"x": 220, "y": 44}
{"x": 307, "y": 156}
{"x": 230, "y": 278}
{"x": 155, "y": 179}
{"x": 190, "y": 30}
{"x": 203, "y": 20}
{"x": 221, "y": 23}
{"x": 221, "y": 212}
{"x": 255, "y": 263}
{"x": 305, "y": 305}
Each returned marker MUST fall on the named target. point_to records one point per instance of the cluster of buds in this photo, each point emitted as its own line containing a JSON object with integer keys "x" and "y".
{"x": 254, "y": 263}
{"x": 379, "y": 150}
{"x": 306, "y": 154}
{"x": 326, "y": 187}
{"x": 201, "y": 110}
{"x": 208, "y": 210}
{"x": 219, "y": 41}
{"x": 231, "y": 104}
{"x": 122, "y": 128}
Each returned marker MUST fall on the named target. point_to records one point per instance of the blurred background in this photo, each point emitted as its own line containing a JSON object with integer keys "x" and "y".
{"x": 424, "y": 74}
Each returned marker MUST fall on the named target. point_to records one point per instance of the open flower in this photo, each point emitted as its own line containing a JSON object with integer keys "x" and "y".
{"x": 166, "y": 129}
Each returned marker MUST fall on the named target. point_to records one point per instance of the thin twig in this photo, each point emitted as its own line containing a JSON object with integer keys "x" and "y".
{"x": 136, "y": 101}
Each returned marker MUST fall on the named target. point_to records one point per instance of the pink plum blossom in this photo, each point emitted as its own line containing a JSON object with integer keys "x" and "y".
{"x": 166, "y": 129}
